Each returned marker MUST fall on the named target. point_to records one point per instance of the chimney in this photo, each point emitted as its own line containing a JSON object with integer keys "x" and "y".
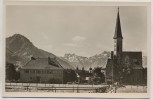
{"x": 49, "y": 60}
{"x": 33, "y": 58}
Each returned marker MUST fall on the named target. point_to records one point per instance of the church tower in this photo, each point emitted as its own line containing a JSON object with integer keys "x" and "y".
{"x": 118, "y": 37}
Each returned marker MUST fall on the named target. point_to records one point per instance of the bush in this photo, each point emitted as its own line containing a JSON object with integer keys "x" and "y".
{"x": 55, "y": 81}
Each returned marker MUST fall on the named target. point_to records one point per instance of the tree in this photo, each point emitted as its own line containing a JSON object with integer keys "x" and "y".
{"x": 98, "y": 73}
{"x": 77, "y": 68}
{"x": 73, "y": 76}
{"x": 11, "y": 73}
{"x": 82, "y": 68}
{"x": 69, "y": 75}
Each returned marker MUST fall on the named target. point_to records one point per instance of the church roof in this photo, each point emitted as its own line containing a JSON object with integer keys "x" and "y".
{"x": 133, "y": 54}
{"x": 118, "y": 31}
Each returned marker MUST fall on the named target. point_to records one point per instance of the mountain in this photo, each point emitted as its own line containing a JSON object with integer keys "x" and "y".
{"x": 98, "y": 60}
{"x": 19, "y": 49}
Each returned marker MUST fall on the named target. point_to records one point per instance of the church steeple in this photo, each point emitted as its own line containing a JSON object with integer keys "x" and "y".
{"x": 118, "y": 37}
{"x": 118, "y": 31}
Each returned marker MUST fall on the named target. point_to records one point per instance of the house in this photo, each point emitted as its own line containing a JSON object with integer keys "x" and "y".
{"x": 42, "y": 70}
{"x": 124, "y": 66}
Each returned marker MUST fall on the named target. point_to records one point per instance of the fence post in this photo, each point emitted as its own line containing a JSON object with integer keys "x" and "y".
{"x": 96, "y": 90}
{"x": 115, "y": 89}
{"x": 77, "y": 90}
{"x": 52, "y": 88}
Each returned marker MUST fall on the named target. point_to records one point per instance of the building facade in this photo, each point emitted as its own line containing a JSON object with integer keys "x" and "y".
{"x": 42, "y": 70}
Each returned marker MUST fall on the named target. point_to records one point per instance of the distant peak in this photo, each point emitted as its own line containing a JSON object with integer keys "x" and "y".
{"x": 18, "y": 35}
{"x": 69, "y": 54}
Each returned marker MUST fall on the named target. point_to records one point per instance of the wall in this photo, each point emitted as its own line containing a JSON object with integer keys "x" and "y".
{"x": 40, "y": 75}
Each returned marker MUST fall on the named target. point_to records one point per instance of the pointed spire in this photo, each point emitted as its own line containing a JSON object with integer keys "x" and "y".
{"x": 118, "y": 31}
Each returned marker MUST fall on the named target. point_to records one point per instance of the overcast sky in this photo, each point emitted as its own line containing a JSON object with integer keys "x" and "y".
{"x": 83, "y": 30}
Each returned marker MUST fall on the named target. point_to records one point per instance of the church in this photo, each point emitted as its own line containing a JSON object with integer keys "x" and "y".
{"x": 124, "y": 66}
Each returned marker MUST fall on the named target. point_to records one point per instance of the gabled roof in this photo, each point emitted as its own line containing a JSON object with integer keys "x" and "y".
{"x": 132, "y": 54}
{"x": 42, "y": 63}
{"x": 118, "y": 31}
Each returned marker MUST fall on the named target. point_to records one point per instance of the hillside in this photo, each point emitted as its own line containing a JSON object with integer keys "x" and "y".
{"x": 19, "y": 49}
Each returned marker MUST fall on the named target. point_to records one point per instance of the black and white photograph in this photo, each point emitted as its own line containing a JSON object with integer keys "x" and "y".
{"x": 94, "y": 49}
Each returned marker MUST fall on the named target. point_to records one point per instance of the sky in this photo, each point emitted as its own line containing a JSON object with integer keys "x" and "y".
{"x": 83, "y": 30}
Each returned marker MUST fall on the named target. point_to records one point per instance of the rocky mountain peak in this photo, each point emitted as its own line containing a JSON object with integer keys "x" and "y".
{"x": 98, "y": 60}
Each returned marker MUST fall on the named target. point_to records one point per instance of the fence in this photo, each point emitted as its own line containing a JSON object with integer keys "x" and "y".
{"x": 67, "y": 88}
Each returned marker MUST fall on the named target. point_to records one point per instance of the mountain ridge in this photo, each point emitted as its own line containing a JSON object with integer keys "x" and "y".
{"x": 98, "y": 60}
{"x": 20, "y": 49}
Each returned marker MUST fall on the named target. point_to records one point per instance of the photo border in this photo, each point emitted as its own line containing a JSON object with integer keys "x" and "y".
{"x": 79, "y": 95}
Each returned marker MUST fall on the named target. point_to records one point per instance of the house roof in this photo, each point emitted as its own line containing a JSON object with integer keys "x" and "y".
{"x": 42, "y": 63}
